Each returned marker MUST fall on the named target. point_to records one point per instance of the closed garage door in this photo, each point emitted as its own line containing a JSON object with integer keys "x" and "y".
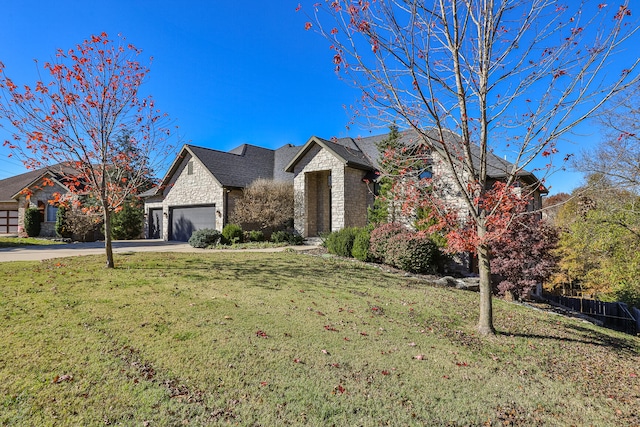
{"x": 8, "y": 222}
{"x": 186, "y": 220}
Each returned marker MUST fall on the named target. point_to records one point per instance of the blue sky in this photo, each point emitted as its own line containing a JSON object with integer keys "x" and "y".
{"x": 227, "y": 72}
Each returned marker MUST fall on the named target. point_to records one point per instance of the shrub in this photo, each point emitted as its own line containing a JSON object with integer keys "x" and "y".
{"x": 361, "y": 245}
{"x": 32, "y": 222}
{"x": 83, "y": 225}
{"x": 265, "y": 204}
{"x": 62, "y": 226}
{"x": 128, "y": 223}
{"x": 205, "y": 238}
{"x": 232, "y": 233}
{"x": 286, "y": 236}
{"x": 341, "y": 242}
{"x": 413, "y": 252}
{"x": 255, "y": 236}
{"x": 380, "y": 237}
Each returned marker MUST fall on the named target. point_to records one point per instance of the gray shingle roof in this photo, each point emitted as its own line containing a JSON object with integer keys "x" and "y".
{"x": 366, "y": 147}
{"x": 239, "y": 167}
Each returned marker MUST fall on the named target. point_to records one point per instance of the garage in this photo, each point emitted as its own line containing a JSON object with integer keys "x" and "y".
{"x": 187, "y": 219}
{"x": 8, "y": 221}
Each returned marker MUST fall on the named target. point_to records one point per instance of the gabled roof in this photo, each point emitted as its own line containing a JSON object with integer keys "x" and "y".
{"x": 10, "y": 188}
{"x": 344, "y": 149}
{"x": 363, "y": 153}
{"x": 236, "y": 168}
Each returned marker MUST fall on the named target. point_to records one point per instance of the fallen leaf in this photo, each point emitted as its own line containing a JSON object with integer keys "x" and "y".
{"x": 419, "y": 357}
{"x": 62, "y": 378}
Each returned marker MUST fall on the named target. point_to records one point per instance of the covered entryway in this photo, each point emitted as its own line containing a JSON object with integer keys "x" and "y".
{"x": 318, "y": 203}
{"x": 8, "y": 221}
{"x": 155, "y": 224}
{"x": 183, "y": 221}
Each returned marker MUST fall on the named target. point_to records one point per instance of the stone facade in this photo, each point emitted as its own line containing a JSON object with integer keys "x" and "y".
{"x": 329, "y": 195}
{"x": 192, "y": 184}
{"x": 41, "y": 195}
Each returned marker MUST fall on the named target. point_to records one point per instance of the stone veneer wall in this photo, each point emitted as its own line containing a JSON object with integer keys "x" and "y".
{"x": 199, "y": 188}
{"x": 356, "y": 195}
{"x": 44, "y": 194}
{"x": 318, "y": 159}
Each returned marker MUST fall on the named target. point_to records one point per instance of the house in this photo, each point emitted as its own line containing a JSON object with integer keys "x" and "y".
{"x": 332, "y": 180}
{"x": 31, "y": 189}
{"x": 200, "y": 188}
{"x": 332, "y": 184}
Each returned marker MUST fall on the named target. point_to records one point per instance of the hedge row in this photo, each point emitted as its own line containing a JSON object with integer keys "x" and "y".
{"x": 233, "y": 233}
{"x": 391, "y": 244}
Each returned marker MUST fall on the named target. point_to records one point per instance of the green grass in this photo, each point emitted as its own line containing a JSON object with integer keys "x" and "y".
{"x": 290, "y": 339}
{"x": 10, "y": 242}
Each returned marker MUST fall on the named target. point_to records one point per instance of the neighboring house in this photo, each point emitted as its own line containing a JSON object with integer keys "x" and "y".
{"x": 31, "y": 189}
{"x": 201, "y": 187}
{"x": 333, "y": 184}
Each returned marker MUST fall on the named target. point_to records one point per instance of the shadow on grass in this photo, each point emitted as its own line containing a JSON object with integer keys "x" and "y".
{"x": 268, "y": 271}
{"x": 582, "y": 335}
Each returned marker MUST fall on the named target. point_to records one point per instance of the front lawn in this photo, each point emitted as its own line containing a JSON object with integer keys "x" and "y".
{"x": 11, "y": 242}
{"x": 290, "y": 339}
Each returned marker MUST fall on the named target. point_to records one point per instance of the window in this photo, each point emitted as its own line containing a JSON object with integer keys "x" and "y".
{"x": 427, "y": 173}
{"x": 190, "y": 168}
{"x": 52, "y": 212}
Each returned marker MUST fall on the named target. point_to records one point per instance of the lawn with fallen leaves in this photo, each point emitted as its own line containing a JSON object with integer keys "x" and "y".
{"x": 265, "y": 339}
{"x": 12, "y": 242}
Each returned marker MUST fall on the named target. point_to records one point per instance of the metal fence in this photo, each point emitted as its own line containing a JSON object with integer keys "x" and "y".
{"x": 614, "y": 315}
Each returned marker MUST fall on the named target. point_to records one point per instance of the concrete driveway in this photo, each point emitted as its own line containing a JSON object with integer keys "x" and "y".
{"x": 38, "y": 253}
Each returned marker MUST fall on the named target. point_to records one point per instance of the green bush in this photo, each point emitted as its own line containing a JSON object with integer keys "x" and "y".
{"x": 232, "y": 233}
{"x": 127, "y": 224}
{"x": 341, "y": 242}
{"x": 413, "y": 252}
{"x": 32, "y": 222}
{"x": 62, "y": 226}
{"x": 205, "y": 238}
{"x": 255, "y": 236}
{"x": 361, "y": 245}
{"x": 380, "y": 237}
{"x": 286, "y": 236}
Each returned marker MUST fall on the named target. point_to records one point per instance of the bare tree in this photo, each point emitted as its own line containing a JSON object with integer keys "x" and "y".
{"x": 617, "y": 157}
{"x": 472, "y": 77}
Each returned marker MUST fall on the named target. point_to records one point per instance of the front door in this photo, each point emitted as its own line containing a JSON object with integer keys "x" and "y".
{"x": 155, "y": 223}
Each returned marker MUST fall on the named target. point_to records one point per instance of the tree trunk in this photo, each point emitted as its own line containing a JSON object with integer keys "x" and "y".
{"x": 485, "y": 323}
{"x": 107, "y": 238}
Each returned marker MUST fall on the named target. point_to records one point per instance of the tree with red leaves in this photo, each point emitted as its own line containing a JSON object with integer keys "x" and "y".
{"x": 523, "y": 256}
{"x": 78, "y": 117}
{"x": 472, "y": 78}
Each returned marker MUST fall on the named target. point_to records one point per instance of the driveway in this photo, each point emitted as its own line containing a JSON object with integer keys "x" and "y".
{"x": 38, "y": 253}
